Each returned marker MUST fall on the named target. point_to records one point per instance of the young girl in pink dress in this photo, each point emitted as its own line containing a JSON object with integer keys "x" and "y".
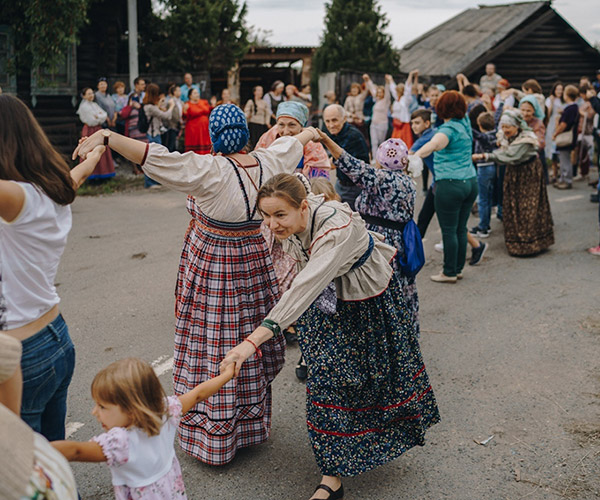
{"x": 140, "y": 424}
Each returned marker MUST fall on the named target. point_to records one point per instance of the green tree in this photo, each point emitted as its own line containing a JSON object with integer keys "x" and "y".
{"x": 43, "y": 29}
{"x": 199, "y": 35}
{"x": 355, "y": 38}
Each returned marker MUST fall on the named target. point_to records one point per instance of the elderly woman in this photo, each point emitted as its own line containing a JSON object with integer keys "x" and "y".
{"x": 386, "y": 202}
{"x": 455, "y": 180}
{"x": 368, "y": 395}
{"x": 528, "y": 228}
{"x": 291, "y": 117}
{"x": 226, "y": 283}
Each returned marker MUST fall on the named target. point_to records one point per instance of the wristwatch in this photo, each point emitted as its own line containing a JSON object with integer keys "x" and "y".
{"x": 106, "y": 134}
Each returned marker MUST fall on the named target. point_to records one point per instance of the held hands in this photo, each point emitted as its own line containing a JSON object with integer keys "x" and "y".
{"x": 366, "y": 77}
{"x": 315, "y": 133}
{"x": 236, "y": 357}
{"x": 88, "y": 144}
{"x": 478, "y": 157}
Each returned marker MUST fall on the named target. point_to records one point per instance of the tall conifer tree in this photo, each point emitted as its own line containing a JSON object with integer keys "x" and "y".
{"x": 355, "y": 38}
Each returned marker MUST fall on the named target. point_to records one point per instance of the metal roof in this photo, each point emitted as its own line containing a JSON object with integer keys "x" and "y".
{"x": 450, "y": 47}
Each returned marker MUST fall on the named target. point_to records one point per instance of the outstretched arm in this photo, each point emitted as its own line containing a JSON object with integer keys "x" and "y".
{"x": 205, "y": 389}
{"x": 438, "y": 141}
{"x": 131, "y": 149}
{"x": 80, "y": 451}
{"x": 82, "y": 171}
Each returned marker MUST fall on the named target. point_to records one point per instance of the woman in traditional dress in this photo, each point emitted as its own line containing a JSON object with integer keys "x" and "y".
{"x": 93, "y": 116}
{"x": 368, "y": 395}
{"x": 226, "y": 283}
{"x": 195, "y": 115}
{"x": 528, "y": 227}
{"x": 386, "y": 202}
{"x": 291, "y": 117}
{"x": 402, "y": 94}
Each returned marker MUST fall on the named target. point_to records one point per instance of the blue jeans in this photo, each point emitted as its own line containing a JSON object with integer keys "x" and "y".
{"x": 486, "y": 176}
{"x": 157, "y": 140}
{"x": 47, "y": 362}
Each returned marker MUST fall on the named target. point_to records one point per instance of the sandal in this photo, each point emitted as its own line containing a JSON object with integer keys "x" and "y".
{"x": 301, "y": 370}
{"x": 333, "y": 495}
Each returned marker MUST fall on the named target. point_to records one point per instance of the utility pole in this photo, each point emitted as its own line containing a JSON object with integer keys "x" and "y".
{"x": 132, "y": 26}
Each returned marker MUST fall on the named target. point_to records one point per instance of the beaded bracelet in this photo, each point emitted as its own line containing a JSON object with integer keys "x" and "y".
{"x": 256, "y": 349}
{"x": 271, "y": 325}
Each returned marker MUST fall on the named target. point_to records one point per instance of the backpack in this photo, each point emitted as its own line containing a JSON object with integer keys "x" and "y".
{"x": 414, "y": 256}
{"x": 143, "y": 124}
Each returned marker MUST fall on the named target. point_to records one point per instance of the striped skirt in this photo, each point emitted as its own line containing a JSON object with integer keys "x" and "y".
{"x": 225, "y": 287}
{"x": 368, "y": 395}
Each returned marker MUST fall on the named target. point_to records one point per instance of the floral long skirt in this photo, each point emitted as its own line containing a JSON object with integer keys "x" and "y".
{"x": 528, "y": 226}
{"x": 368, "y": 395}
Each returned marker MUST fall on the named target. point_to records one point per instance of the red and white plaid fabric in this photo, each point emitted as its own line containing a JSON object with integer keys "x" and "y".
{"x": 225, "y": 287}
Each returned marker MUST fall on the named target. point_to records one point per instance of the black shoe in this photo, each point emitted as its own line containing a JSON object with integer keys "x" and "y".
{"x": 594, "y": 197}
{"x": 302, "y": 370}
{"x": 477, "y": 253}
{"x": 291, "y": 337}
{"x": 333, "y": 495}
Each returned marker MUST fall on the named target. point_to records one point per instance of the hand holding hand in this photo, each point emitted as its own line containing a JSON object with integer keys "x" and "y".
{"x": 366, "y": 77}
{"x": 87, "y": 144}
{"x": 236, "y": 357}
{"x": 315, "y": 133}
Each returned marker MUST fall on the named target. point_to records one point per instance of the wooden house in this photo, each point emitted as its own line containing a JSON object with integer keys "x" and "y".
{"x": 524, "y": 40}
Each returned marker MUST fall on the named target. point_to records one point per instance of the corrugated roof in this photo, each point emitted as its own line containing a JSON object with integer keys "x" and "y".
{"x": 447, "y": 49}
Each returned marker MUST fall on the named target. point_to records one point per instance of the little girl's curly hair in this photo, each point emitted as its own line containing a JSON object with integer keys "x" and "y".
{"x": 132, "y": 385}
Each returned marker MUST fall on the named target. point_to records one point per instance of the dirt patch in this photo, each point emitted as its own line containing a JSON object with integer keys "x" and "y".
{"x": 591, "y": 324}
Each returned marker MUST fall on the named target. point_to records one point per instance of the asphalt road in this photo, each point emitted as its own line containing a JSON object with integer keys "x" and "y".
{"x": 511, "y": 350}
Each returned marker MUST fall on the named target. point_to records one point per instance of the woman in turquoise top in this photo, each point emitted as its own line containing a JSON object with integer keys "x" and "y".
{"x": 455, "y": 179}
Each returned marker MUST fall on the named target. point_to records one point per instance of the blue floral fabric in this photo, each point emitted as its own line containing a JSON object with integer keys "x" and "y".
{"x": 390, "y": 195}
{"x": 228, "y": 129}
{"x": 368, "y": 394}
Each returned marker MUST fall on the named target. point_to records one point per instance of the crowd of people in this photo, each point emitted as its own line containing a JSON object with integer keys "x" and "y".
{"x": 274, "y": 251}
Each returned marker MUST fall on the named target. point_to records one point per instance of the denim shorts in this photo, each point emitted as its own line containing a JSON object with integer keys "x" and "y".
{"x": 47, "y": 363}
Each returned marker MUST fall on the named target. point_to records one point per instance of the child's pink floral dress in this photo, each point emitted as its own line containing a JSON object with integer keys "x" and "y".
{"x": 143, "y": 467}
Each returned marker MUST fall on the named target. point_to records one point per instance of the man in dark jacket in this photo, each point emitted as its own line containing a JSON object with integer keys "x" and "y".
{"x": 349, "y": 138}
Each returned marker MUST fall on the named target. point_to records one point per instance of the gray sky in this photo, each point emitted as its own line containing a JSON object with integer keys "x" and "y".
{"x": 300, "y": 22}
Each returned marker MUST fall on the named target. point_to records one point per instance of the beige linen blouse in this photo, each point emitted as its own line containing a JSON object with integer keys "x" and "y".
{"x": 340, "y": 238}
{"x": 212, "y": 179}
{"x": 261, "y": 114}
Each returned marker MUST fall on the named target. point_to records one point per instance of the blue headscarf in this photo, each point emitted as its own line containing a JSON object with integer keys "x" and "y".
{"x": 537, "y": 109}
{"x": 228, "y": 129}
{"x": 295, "y": 110}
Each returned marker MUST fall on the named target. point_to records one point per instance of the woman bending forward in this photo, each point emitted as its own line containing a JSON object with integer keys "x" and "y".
{"x": 368, "y": 395}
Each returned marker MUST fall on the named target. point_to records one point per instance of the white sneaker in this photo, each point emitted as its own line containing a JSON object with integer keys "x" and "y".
{"x": 439, "y": 247}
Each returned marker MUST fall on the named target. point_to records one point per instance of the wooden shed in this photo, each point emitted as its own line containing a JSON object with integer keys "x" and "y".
{"x": 524, "y": 40}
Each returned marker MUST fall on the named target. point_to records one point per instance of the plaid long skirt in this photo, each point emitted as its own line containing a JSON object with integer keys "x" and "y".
{"x": 225, "y": 287}
{"x": 368, "y": 395}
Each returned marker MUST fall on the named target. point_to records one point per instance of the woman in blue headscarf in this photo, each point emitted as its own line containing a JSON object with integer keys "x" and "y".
{"x": 226, "y": 283}
{"x": 292, "y": 116}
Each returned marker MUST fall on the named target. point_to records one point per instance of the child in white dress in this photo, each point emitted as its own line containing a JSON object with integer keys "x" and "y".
{"x": 140, "y": 424}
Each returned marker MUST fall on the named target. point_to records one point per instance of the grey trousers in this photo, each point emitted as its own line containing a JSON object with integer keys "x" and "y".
{"x": 566, "y": 167}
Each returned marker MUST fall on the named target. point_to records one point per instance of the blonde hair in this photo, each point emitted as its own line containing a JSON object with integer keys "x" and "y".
{"x": 132, "y": 385}
{"x": 571, "y": 91}
{"x": 284, "y": 186}
{"x": 323, "y": 186}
